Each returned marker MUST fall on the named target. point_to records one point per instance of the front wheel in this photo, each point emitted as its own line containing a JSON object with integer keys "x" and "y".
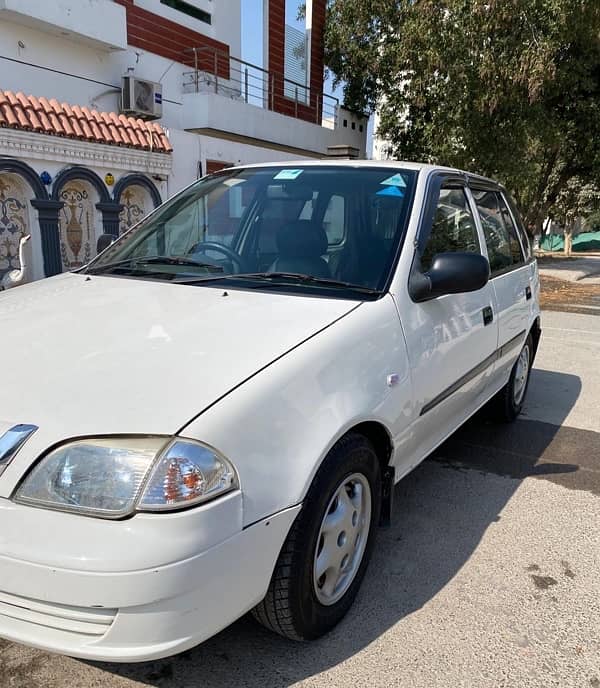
{"x": 508, "y": 403}
{"x": 325, "y": 556}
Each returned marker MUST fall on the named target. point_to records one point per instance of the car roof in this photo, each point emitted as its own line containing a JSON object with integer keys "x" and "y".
{"x": 394, "y": 164}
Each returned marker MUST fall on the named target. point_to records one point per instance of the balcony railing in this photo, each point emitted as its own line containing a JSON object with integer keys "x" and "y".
{"x": 215, "y": 71}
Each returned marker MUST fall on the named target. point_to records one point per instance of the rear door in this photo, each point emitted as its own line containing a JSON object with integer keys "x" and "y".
{"x": 510, "y": 277}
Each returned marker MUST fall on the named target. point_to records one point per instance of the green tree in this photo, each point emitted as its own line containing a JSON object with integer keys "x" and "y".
{"x": 506, "y": 88}
{"x": 576, "y": 203}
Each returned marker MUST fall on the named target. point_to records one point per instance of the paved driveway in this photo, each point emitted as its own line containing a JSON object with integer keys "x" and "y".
{"x": 489, "y": 576}
{"x": 576, "y": 269}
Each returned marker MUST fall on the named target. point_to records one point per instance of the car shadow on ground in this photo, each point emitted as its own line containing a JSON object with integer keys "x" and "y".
{"x": 441, "y": 511}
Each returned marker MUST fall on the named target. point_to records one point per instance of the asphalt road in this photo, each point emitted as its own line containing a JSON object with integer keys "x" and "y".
{"x": 489, "y": 576}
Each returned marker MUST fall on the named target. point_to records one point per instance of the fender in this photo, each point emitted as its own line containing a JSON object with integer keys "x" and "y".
{"x": 278, "y": 426}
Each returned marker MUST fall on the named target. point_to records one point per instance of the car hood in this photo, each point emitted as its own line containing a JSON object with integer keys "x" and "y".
{"x": 86, "y": 355}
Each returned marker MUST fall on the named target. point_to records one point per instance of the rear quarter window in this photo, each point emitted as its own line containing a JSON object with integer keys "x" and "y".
{"x": 520, "y": 226}
{"x": 501, "y": 235}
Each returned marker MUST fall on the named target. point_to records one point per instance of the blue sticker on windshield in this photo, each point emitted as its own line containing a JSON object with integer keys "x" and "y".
{"x": 288, "y": 175}
{"x": 395, "y": 180}
{"x": 391, "y": 191}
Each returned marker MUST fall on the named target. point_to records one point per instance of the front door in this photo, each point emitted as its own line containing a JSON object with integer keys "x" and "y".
{"x": 452, "y": 340}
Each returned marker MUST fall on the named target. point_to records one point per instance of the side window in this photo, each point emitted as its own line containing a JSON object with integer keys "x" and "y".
{"x": 453, "y": 227}
{"x": 520, "y": 227}
{"x": 504, "y": 248}
{"x": 223, "y": 216}
{"x": 334, "y": 220}
{"x": 384, "y": 213}
{"x": 309, "y": 206}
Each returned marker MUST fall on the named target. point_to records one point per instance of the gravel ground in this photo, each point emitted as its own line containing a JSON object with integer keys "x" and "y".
{"x": 575, "y": 297}
{"x": 570, "y": 284}
{"x": 488, "y": 577}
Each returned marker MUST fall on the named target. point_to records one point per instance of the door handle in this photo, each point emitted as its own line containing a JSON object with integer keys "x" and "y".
{"x": 527, "y": 293}
{"x": 488, "y": 315}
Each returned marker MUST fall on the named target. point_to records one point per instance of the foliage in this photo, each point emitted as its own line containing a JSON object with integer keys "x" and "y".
{"x": 506, "y": 88}
{"x": 592, "y": 222}
{"x": 576, "y": 200}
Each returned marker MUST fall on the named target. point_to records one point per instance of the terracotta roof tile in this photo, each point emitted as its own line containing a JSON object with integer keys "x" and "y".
{"x": 28, "y": 108}
{"x": 77, "y": 130}
{"x": 104, "y": 132}
{"x": 19, "y": 111}
{"x": 141, "y": 133}
{"x": 87, "y": 117}
{"x": 127, "y": 131}
{"x": 56, "y": 126}
{"x": 83, "y": 123}
{"x": 37, "y": 108}
{"x": 110, "y": 118}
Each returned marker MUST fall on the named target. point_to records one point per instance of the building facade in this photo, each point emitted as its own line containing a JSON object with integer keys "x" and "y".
{"x": 82, "y": 155}
{"x": 380, "y": 147}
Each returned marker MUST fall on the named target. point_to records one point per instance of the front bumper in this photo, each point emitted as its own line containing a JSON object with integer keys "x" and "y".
{"x": 139, "y": 614}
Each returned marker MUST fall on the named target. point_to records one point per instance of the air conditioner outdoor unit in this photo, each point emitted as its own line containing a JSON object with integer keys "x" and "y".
{"x": 141, "y": 98}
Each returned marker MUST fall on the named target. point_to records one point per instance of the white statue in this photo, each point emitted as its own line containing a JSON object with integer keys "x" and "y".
{"x": 16, "y": 277}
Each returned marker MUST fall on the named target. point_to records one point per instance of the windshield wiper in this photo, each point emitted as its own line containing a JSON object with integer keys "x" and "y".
{"x": 273, "y": 277}
{"x": 154, "y": 260}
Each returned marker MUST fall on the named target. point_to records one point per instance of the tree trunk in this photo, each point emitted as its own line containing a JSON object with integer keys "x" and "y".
{"x": 568, "y": 237}
{"x": 538, "y": 227}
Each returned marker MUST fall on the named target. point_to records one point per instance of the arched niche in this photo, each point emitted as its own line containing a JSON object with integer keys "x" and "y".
{"x": 17, "y": 219}
{"x": 137, "y": 196}
{"x": 80, "y": 222}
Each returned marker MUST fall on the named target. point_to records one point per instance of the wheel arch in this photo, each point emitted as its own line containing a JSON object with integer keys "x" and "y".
{"x": 380, "y": 438}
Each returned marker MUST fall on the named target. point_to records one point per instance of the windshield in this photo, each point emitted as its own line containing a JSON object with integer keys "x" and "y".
{"x": 313, "y": 227}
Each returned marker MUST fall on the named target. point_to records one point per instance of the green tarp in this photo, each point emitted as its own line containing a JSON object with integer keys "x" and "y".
{"x": 586, "y": 241}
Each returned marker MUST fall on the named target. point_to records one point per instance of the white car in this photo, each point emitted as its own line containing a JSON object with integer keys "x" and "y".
{"x": 210, "y": 417}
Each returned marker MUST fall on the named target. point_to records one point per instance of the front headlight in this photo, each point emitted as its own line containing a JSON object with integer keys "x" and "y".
{"x": 112, "y": 478}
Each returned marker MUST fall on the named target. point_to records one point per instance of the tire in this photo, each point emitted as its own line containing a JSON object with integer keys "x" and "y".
{"x": 508, "y": 403}
{"x": 297, "y": 604}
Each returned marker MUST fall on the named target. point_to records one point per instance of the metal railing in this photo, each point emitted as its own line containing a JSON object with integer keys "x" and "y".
{"x": 215, "y": 71}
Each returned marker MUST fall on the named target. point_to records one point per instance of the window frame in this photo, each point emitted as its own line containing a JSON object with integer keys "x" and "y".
{"x": 468, "y": 181}
{"x": 483, "y": 185}
{"x": 438, "y": 183}
{"x": 189, "y": 10}
{"x": 518, "y": 222}
{"x": 247, "y": 237}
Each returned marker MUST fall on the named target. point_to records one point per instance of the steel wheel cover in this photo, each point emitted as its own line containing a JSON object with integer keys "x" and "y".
{"x": 521, "y": 374}
{"x": 342, "y": 539}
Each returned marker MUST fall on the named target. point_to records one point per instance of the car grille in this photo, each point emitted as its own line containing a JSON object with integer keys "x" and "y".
{"x": 62, "y": 617}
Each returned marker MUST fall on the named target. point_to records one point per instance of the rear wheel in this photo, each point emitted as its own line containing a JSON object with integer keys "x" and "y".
{"x": 325, "y": 555}
{"x": 508, "y": 403}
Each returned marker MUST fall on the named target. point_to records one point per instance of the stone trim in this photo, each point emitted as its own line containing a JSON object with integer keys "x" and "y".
{"x": 25, "y": 144}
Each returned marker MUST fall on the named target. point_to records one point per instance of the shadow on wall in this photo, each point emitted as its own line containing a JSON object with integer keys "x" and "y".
{"x": 441, "y": 512}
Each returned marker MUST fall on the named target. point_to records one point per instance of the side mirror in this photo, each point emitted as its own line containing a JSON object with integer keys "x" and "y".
{"x": 450, "y": 273}
{"x": 104, "y": 241}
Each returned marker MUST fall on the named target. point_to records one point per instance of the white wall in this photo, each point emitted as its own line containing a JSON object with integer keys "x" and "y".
{"x": 57, "y": 67}
{"x": 96, "y": 22}
{"x": 192, "y": 149}
{"x": 379, "y": 145}
{"x": 186, "y": 156}
{"x": 212, "y": 111}
{"x": 226, "y": 19}
{"x": 79, "y": 68}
